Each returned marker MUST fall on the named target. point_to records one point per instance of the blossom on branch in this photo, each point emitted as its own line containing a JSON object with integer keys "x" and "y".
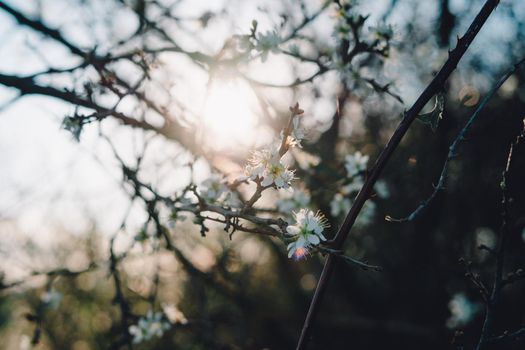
{"x": 297, "y": 134}
{"x": 308, "y": 231}
{"x": 267, "y": 166}
{"x": 356, "y": 163}
{"x": 213, "y": 188}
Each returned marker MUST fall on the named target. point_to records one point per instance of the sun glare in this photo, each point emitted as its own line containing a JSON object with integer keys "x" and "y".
{"x": 229, "y": 116}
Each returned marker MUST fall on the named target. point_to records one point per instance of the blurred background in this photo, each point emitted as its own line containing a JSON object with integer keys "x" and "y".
{"x": 77, "y": 245}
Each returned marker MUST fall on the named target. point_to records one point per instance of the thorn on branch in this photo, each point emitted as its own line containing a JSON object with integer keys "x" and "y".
{"x": 339, "y": 254}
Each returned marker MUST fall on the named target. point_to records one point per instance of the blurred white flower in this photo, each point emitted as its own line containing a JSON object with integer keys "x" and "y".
{"x": 213, "y": 188}
{"x": 366, "y": 216}
{"x": 462, "y": 310}
{"x": 353, "y": 187}
{"x": 485, "y": 236}
{"x": 267, "y": 42}
{"x": 340, "y": 205}
{"x": 299, "y": 199}
{"x": 51, "y": 298}
{"x": 355, "y": 163}
{"x": 382, "y": 190}
{"x": 153, "y": 325}
{"x": 308, "y": 231}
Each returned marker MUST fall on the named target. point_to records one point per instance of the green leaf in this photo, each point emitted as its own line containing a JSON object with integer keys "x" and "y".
{"x": 433, "y": 117}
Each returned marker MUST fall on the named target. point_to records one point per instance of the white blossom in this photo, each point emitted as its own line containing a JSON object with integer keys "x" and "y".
{"x": 153, "y": 325}
{"x": 307, "y": 231}
{"x": 382, "y": 190}
{"x": 341, "y": 204}
{"x": 266, "y": 164}
{"x": 298, "y": 199}
{"x": 213, "y": 188}
{"x": 277, "y": 174}
{"x": 462, "y": 310}
{"x": 51, "y": 298}
{"x": 267, "y": 42}
{"x": 355, "y": 163}
{"x": 259, "y": 161}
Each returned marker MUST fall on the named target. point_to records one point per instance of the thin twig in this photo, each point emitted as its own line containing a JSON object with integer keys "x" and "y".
{"x": 362, "y": 264}
{"x": 499, "y": 280}
{"x": 452, "y": 150}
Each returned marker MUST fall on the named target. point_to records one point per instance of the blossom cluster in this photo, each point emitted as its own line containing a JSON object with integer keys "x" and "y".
{"x": 152, "y": 325}
{"x": 261, "y": 43}
{"x": 267, "y": 166}
{"x": 305, "y": 229}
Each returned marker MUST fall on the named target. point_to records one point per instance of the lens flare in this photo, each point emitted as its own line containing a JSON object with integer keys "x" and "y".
{"x": 229, "y": 118}
{"x": 300, "y": 253}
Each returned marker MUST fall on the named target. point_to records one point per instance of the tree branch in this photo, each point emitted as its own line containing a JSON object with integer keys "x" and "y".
{"x": 434, "y": 87}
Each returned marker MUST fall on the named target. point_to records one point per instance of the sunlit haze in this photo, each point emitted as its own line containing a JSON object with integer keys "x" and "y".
{"x": 229, "y": 117}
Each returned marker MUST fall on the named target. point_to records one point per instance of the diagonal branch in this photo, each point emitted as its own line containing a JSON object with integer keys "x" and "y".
{"x": 434, "y": 87}
{"x": 27, "y": 86}
{"x": 452, "y": 150}
{"x": 172, "y": 129}
{"x": 39, "y": 26}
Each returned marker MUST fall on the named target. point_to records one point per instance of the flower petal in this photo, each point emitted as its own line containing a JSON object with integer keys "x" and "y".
{"x": 313, "y": 239}
{"x": 267, "y": 181}
{"x": 293, "y": 230}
